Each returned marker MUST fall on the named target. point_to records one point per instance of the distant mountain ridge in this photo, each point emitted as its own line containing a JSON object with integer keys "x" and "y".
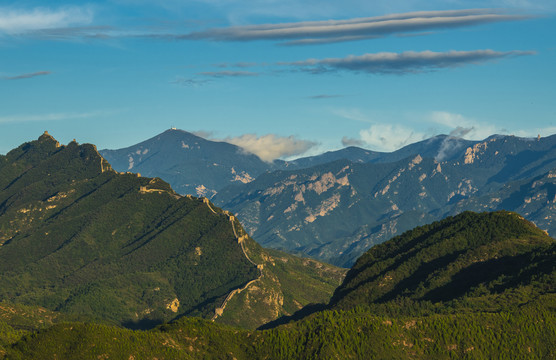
{"x": 191, "y": 164}
{"x": 336, "y": 205}
{"x": 336, "y": 211}
{"x": 201, "y": 167}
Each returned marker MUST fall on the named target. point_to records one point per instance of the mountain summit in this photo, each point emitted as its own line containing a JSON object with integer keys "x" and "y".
{"x": 191, "y": 164}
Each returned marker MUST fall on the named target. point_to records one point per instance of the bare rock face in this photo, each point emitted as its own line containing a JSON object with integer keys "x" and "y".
{"x": 338, "y": 210}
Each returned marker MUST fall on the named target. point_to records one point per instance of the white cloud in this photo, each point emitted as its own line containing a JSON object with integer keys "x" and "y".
{"x": 352, "y": 114}
{"x": 458, "y": 125}
{"x": 470, "y": 129}
{"x": 546, "y": 131}
{"x": 270, "y": 147}
{"x": 19, "y": 21}
{"x": 390, "y": 137}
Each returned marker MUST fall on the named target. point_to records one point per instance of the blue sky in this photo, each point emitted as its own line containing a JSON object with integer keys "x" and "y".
{"x": 296, "y": 77}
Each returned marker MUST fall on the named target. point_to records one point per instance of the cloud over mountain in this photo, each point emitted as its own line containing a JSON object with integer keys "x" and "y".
{"x": 270, "y": 147}
{"x": 390, "y": 137}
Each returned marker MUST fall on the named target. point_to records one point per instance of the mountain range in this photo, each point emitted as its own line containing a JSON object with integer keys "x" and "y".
{"x": 336, "y": 205}
{"x": 81, "y": 239}
{"x": 336, "y": 211}
{"x": 197, "y": 166}
{"x": 87, "y": 254}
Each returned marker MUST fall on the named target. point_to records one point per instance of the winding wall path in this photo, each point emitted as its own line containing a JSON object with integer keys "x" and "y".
{"x": 241, "y": 240}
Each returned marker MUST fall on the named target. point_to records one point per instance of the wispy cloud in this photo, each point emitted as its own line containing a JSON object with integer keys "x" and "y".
{"x": 78, "y": 32}
{"x": 27, "y": 76}
{"x": 222, "y": 74}
{"x": 544, "y": 131}
{"x": 459, "y": 125}
{"x": 239, "y": 64}
{"x": 353, "y": 114}
{"x": 384, "y": 136}
{"x": 52, "y": 116}
{"x": 324, "y": 96}
{"x": 270, "y": 147}
{"x": 15, "y": 21}
{"x": 452, "y": 143}
{"x": 189, "y": 82}
{"x": 473, "y": 129}
{"x": 403, "y": 63}
{"x": 390, "y": 137}
{"x": 313, "y": 32}
{"x": 204, "y": 134}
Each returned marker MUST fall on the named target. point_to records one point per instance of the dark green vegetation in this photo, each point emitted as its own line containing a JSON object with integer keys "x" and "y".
{"x": 288, "y": 284}
{"x": 78, "y": 238}
{"x": 475, "y": 286}
{"x": 338, "y": 210}
{"x": 489, "y": 261}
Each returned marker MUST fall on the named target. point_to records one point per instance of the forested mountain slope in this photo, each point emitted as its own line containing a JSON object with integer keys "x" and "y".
{"x": 80, "y": 238}
{"x": 473, "y": 286}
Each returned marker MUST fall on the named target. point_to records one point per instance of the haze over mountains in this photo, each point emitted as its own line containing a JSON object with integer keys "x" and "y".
{"x": 336, "y": 205}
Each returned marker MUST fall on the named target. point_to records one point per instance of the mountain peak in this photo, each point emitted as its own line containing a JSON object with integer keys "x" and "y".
{"x": 46, "y": 138}
{"x": 173, "y": 153}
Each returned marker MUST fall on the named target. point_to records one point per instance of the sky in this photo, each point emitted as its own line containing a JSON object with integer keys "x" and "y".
{"x": 280, "y": 78}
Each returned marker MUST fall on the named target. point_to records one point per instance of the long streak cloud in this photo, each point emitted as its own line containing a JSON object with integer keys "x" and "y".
{"x": 403, "y": 63}
{"x": 299, "y": 33}
{"x": 27, "y": 76}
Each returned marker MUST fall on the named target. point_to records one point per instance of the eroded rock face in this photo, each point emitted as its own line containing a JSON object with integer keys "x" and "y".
{"x": 341, "y": 208}
{"x": 174, "y": 305}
